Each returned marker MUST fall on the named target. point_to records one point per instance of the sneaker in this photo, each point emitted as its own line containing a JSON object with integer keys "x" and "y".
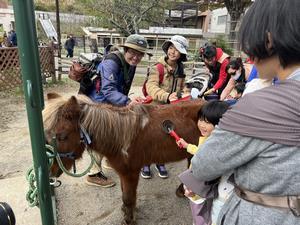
{"x": 162, "y": 172}
{"x": 146, "y": 173}
{"x": 100, "y": 180}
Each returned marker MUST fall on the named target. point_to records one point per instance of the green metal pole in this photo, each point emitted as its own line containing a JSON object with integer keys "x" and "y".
{"x": 32, "y": 84}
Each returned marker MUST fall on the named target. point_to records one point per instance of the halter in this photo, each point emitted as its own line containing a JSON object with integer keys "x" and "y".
{"x": 84, "y": 138}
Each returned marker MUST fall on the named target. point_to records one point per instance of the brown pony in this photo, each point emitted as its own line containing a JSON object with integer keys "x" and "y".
{"x": 129, "y": 137}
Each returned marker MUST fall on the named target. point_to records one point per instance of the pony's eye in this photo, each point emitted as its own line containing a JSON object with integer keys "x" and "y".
{"x": 61, "y": 137}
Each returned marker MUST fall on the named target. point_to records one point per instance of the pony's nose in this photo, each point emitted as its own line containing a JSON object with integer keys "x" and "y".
{"x": 59, "y": 172}
{"x": 55, "y": 172}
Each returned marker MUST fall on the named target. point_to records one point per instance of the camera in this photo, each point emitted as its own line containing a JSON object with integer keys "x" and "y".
{"x": 7, "y": 216}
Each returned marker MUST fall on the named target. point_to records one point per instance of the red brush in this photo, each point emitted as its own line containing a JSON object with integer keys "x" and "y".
{"x": 186, "y": 98}
{"x": 147, "y": 100}
{"x": 168, "y": 127}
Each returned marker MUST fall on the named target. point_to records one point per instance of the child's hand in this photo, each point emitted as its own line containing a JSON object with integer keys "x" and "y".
{"x": 188, "y": 192}
{"x": 173, "y": 97}
{"x": 182, "y": 142}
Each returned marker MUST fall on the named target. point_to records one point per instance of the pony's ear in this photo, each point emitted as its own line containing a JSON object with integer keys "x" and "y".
{"x": 72, "y": 101}
{"x": 71, "y": 109}
{"x": 53, "y": 95}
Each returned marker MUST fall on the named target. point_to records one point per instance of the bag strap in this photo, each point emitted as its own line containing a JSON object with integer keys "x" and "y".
{"x": 118, "y": 58}
{"x": 267, "y": 200}
{"x": 124, "y": 66}
{"x": 161, "y": 72}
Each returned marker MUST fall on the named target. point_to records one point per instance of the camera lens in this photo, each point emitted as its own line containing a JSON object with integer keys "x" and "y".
{"x": 7, "y": 216}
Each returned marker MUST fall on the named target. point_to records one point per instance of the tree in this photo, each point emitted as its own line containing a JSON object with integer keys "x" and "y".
{"x": 127, "y": 16}
{"x": 236, "y": 9}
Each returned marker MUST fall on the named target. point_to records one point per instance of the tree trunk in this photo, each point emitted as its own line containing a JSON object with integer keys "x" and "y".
{"x": 233, "y": 33}
{"x": 235, "y": 9}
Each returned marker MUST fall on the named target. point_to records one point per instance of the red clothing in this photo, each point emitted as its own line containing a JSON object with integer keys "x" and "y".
{"x": 248, "y": 60}
{"x": 222, "y": 74}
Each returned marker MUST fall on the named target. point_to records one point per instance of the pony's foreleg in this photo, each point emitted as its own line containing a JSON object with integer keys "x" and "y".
{"x": 129, "y": 184}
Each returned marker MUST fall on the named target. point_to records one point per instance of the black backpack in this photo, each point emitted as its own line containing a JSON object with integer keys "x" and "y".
{"x": 88, "y": 76}
{"x": 84, "y": 71}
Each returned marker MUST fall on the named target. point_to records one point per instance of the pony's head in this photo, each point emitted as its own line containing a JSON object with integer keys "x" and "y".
{"x": 61, "y": 121}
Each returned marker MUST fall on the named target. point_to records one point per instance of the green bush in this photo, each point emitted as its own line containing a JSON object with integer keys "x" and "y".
{"x": 222, "y": 42}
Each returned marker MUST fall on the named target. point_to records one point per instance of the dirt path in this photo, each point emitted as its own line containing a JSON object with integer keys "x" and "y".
{"x": 78, "y": 203}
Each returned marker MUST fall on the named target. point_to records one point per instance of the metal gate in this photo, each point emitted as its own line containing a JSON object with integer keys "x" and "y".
{"x": 32, "y": 84}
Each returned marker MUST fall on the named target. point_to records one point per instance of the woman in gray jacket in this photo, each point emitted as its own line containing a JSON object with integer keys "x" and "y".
{"x": 259, "y": 138}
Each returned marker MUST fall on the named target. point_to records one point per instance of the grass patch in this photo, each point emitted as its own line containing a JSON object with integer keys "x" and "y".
{"x": 17, "y": 92}
{"x": 51, "y": 84}
{"x": 138, "y": 80}
{"x": 63, "y": 82}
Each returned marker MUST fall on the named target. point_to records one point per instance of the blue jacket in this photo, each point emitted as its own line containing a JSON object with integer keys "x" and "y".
{"x": 114, "y": 87}
{"x": 253, "y": 74}
{"x": 13, "y": 39}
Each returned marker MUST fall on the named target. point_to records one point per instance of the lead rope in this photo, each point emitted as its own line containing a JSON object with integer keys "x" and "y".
{"x": 62, "y": 167}
{"x": 32, "y": 193}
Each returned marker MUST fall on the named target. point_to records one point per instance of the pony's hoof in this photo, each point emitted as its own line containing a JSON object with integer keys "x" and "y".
{"x": 180, "y": 191}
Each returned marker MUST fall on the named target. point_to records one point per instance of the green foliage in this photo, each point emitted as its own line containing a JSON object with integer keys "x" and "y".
{"x": 127, "y": 16}
{"x": 41, "y": 35}
{"x": 75, "y": 29}
{"x": 51, "y": 84}
{"x": 18, "y": 91}
{"x": 45, "y": 7}
{"x": 139, "y": 80}
{"x": 64, "y": 7}
{"x": 222, "y": 42}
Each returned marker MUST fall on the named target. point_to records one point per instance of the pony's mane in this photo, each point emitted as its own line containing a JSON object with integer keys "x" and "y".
{"x": 114, "y": 127}
{"x": 50, "y": 113}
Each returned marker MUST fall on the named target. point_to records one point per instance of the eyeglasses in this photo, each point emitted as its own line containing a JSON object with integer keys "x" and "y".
{"x": 135, "y": 53}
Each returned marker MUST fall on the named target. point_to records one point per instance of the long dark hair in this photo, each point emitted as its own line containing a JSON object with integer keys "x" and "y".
{"x": 236, "y": 64}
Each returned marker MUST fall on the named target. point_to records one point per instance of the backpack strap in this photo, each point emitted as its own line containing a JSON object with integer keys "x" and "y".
{"x": 118, "y": 57}
{"x": 124, "y": 66}
{"x": 161, "y": 72}
{"x": 160, "y": 68}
